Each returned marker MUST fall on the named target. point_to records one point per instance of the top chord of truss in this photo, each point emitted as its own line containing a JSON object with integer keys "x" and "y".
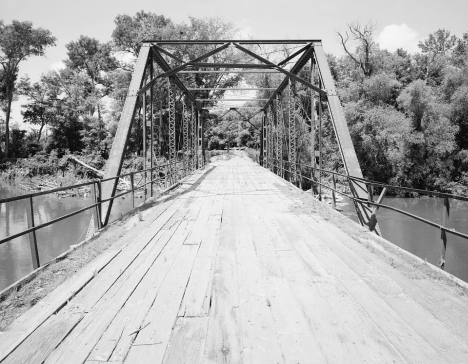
{"x": 239, "y": 41}
{"x": 229, "y": 71}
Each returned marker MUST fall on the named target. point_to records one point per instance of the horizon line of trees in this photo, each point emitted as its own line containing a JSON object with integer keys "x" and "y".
{"x": 407, "y": 113}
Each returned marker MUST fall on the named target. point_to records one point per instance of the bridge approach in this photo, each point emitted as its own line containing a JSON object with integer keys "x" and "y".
{"x": 241, "y": 266}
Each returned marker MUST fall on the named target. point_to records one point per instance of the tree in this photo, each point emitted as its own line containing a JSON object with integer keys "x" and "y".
{"x": 39, "y": 110}
{"x": 436, "y": 48}
{"x": 363, "y": 36}
{"x": 130, "y": 31}
{"x": 18, "y": 41}
{"x": 92, "y": 58}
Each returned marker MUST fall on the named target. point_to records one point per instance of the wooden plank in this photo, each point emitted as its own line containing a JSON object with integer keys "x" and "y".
{"x": 78, "y": 345}
{"x": 26, "y": 324}
{"x": 224, "y": 342}
{"x": 37, "y": 347}
{"x": 259, "y": 335}
{"x": 116, "y": 341}
{"x": 152, "y": 341}
{"x": 187, "y": 341}
{"x": 400, "y": 337}
{"x": 424, "y": 323}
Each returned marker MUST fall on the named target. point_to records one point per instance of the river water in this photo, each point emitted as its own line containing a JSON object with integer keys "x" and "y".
{"x": 420, "y": 239}
{"x": 52, "y": 240}
{"x": 411, "y": 235}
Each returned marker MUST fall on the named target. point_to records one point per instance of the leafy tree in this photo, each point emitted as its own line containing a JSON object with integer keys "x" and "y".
{"x": 18, "y": 41}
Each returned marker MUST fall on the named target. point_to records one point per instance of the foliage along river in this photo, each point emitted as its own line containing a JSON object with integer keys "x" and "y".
{"x": 412, "y": 235}
{"x": 52, "y": 240}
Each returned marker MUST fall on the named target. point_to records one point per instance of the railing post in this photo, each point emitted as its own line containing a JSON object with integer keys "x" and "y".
{"x": 132, "y": 185}
{"x": 370, "y": 194}
{"x": 32, "y": 235}
{"x": 95, "y": 197}
{"x": 443, "y": 235}
{"x": 333, "y": 192}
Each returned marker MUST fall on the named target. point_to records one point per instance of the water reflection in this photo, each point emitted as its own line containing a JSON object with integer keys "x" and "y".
{"x": 15, "y": 256}
{"x": 421, "y": 239}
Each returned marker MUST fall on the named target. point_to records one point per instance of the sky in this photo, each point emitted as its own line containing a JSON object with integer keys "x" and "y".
{"x": 399, "y": 23}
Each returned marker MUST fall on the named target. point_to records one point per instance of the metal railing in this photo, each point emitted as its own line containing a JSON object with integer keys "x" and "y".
{"x": 171, "y": 178}
{"x": 367, "y": 203}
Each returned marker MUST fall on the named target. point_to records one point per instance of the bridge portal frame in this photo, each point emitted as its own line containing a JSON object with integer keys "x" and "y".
{"x": 273, "y": 131}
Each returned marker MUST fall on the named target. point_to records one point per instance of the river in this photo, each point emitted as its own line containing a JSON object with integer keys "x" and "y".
{"x": 411, "y": 235}
{"x": 420, "y": 239}
{"x": 52, "y": 240}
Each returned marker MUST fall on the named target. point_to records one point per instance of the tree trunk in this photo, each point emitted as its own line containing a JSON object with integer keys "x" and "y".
{"x": 9, "y": 92}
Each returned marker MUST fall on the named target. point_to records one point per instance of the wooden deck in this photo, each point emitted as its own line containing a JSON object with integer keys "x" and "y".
{"x": 236, "y": 271}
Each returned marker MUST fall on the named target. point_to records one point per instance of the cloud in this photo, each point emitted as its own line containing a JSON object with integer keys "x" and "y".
{"x": 395, "y": 36}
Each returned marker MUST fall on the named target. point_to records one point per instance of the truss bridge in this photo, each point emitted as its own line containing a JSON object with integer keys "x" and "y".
{"x": 234, "y": 256}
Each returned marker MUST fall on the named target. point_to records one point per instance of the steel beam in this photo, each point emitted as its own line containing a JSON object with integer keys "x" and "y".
{"x": 343, "y": 137}
{"x": 292, "y": 133}
{"x": 287, "y": 73}
{"x": 218, "y": 71}
{"x": 159, "y": 59}
{"x": 279, "y": 134}
{"x": 193, "y": 136}
{"x": 230, "y": 65}
{"x": 124, "y": 127}
{"x": 295, "y": 69}
{"x": 171, "y": 71}
{"x": 240, "y": 41}
{"x": 232, "y": 89}
{"x": 230, "y": 100}
{"x": 172, "y": 121}
{"x": 295, "y": 54}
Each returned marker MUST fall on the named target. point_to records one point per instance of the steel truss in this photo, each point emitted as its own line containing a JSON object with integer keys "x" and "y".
{"x": 185, "y": 121}
{"x": 277, "y": 142}
{"x": 292, "y": 132}
{"x": 279, "y": 134}
{"x": 172, "y": 121}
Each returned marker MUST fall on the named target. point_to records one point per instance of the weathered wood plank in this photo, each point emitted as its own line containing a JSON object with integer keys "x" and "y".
{"x": 224, "y": 341}
{"x": 119, "y": 336}
{"x": 80, "y": 343}
{"x": 187, "y": 342}
{"x": 152, "y": 341}
{"x": 37, "y": 347}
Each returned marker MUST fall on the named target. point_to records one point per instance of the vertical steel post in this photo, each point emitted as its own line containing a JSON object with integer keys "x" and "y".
{"x": 151, "y": 130}
{"x": 193, "y": 120}
{"x": 32, "y": 234}
{"x": 200, "y": 140}
{"x": 265, "y": 139}
{"x": 145, "y": 164}
{"x": 185, "y": 121}
{"x": 132, "y": 183}
{"x": 160, "y": 136}
{"x": 260, "y": 156}
{"x": 195, "y": 141}
{"x": 333, "y": 191}
{"x": 96, "y": 214}
{"x": 312, "y": 122}
{"x": 292, "y": 132}
{"x": 443, "y": 235}
{"x": 99, "y": 197}
{"x": 320, "y": 142}
{"x": 280, "y": 132}
{"x": 172, "y": 127}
